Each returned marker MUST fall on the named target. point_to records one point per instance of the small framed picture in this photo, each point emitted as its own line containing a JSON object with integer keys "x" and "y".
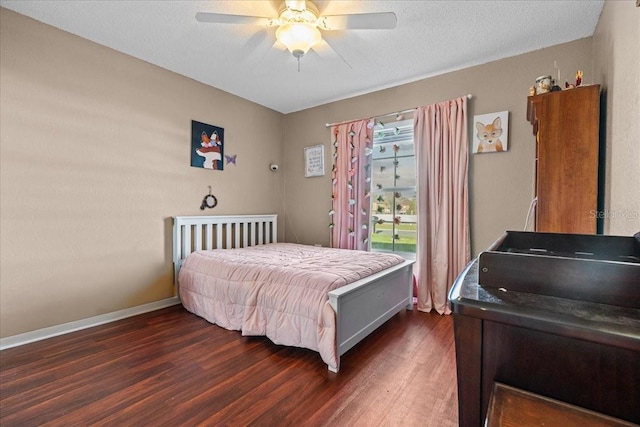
{"x": 207, "y": 146}
{"x": 314, "y": 161}
{"x": 491, "y": 132}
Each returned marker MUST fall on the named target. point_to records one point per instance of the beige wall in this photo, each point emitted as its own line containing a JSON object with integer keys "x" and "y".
{"x": 616, "y": 64}
{"x": 95, "y": 160}
{"x": 501, "y": 184}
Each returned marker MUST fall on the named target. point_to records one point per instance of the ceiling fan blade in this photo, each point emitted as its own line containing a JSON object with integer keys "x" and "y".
{"x": 325, "y": 51}
{"x": 359, "y": 21}
{"x": 222, "y": 18}
{"x": 260, "y": 41}
{"x": 264, "y": 50}
{"x": 262, "y": 62}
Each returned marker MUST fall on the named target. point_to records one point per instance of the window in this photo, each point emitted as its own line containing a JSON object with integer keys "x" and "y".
{"x": 393, "y": 189}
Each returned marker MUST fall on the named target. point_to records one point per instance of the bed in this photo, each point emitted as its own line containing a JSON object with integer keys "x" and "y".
{"x": 215, "y": 260}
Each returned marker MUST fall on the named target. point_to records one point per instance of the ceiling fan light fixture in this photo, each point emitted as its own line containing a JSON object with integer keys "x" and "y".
{"x": 298, "y": 5}
{"x": 298, "y": 37}
{"x": 299, "y": 24}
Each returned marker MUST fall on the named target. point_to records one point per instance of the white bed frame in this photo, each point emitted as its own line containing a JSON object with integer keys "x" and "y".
{"x": 360, "y": 307}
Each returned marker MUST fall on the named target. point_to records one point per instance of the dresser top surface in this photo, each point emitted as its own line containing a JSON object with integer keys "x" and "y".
{"x": 602, "y": 322}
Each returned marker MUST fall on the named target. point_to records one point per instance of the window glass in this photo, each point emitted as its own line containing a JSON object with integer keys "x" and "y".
{"x": 393, "y": 201}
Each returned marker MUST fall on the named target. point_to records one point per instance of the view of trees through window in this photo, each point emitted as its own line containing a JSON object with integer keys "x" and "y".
{"x": 393, "y": 183}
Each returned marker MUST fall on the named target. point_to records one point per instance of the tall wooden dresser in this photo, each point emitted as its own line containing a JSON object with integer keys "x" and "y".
{"x": 567, "y": 145}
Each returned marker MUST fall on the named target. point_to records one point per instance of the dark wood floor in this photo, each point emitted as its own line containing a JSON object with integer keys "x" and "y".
{"x": 170, "y": 367}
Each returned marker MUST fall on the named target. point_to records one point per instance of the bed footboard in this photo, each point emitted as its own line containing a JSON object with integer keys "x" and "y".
{"x": 363, "y": 306}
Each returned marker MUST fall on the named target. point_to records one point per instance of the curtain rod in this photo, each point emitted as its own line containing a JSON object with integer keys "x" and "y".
{"x": 469, "y": 96}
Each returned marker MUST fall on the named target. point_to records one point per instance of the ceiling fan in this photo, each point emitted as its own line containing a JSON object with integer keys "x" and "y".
{"x": 299, "y": 24}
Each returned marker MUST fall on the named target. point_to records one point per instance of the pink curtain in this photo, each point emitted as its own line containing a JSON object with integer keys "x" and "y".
{"x": 442, "y": 157}
{"x": 351, "y": 143}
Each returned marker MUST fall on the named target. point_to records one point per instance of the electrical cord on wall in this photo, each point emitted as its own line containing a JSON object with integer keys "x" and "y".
{"x": 533, "y": 203}
{"x": 295, "y": 235}
{"x": 282, "y": 197}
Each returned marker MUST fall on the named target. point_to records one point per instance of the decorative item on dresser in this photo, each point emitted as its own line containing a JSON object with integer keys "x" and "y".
{"x": 567, "y": 145}
{"x": 231, "y": 271}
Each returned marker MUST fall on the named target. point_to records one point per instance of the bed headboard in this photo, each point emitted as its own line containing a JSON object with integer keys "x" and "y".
{"x": 194, "y": 233}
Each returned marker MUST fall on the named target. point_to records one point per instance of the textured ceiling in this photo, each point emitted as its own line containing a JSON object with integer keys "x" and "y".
{"x": 431, "y": 37}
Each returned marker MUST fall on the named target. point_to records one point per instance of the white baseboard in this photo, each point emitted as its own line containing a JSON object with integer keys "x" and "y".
{"x": 65, "y": 328}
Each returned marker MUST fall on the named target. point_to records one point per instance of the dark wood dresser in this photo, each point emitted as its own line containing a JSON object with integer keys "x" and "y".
{"x": 512, "y": 328}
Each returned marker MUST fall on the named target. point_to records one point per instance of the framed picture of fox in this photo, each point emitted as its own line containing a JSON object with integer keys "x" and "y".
{"x": 491, "y": 132}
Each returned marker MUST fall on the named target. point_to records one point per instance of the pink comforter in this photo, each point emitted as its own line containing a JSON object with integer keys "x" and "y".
{"x": 277, "y": 290}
